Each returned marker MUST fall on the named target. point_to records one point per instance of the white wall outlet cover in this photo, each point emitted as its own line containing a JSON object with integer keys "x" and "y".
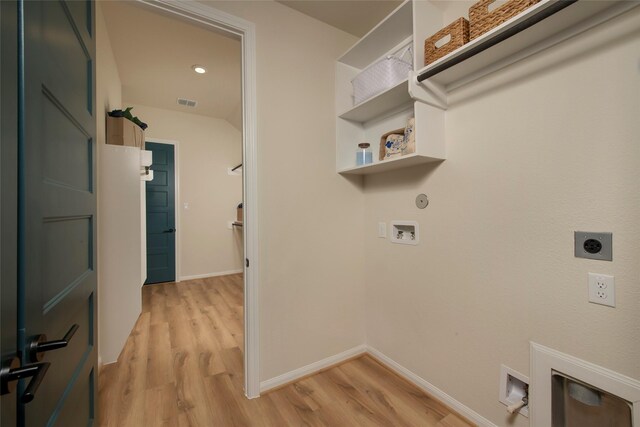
{"x": 512, "y": 388}
{"x": 382, "y": 230}
{"x": 602, "y": 289}
{"x": 186, "y": 205}
{"x": 405, "y": 232}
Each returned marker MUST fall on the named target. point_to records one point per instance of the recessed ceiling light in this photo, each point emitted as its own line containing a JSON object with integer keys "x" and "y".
{"x": 199, "y": 69}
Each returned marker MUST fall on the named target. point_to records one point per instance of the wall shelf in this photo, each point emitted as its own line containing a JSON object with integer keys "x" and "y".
{"x": 389, "y": 110}
{"x": 539, "y": 27}
{"x": 543, "y": 25}
{"x": 382, "y": 103}
{"x": 391, "y": 31}
{"x": 389, "y": 165}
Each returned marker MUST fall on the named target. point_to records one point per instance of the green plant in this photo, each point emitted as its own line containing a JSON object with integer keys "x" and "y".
{"x": 127, "y": 115}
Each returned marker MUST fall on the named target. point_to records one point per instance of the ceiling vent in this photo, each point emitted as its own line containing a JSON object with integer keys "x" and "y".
{"x": 187, "y": 102}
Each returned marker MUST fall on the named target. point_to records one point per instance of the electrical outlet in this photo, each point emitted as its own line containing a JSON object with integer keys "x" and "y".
{"x": 602, "y": 289}
{"x": 593, "y": 245}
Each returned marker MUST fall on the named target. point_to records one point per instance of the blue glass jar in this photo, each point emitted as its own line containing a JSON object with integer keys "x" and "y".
{"x": 364, "y": 156}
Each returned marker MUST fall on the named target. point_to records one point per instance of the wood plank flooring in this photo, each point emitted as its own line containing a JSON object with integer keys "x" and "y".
{"x": 182, "y": 366}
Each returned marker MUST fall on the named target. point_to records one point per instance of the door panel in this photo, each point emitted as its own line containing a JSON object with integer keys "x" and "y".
{"x": 59, "y": 223}
{"x": 67, "y": 142}
{"x": 65, "y": 261}
{"x": 159, "y": 176}
{"x": 68, "y": 56}
{"x": 65, "y": 363}
{"x": 160, "y": 195}
{"x": 80, "y": 403}
{"x": 82, "y": 13}
{"x": 8, "y": 190}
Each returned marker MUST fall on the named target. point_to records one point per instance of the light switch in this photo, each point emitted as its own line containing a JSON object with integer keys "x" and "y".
{"x": 382, "y": 230}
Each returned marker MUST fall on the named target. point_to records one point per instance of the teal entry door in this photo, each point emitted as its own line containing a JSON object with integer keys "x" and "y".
{"x": 49, "y": 195}
{"x": 161, "y": 219}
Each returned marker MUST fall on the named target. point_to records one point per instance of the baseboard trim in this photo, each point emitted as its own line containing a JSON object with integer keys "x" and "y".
{"x": 311, "y": 369}
{"x": 337, "y": 359}
{"x": 429, "y": 388}
{"x": 204, "y": 276}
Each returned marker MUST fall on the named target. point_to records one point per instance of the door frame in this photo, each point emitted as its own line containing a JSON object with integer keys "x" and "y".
{"x": 176, "y": 201}
{"x": 244, "y": 30}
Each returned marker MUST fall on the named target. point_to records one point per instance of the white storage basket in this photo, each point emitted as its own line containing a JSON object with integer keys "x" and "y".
{"x": 382, "y": 75}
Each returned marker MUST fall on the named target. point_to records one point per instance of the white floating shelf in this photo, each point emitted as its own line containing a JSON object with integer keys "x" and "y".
{"x": 382, "y": 103}
{"x": 389, "y": 165}
{"x": 385, "y": 36}
{"x": 568, "y": 22}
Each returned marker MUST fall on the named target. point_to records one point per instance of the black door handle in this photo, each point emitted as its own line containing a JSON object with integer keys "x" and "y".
{"x": 40, "y": 344}
{"x": 11, "y": 371}
{"x": 171, "y": 230}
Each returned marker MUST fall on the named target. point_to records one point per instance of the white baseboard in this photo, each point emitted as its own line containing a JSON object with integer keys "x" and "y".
{"x": 311, "y": 368}
{"x": 430, "y": 388}
{"x": 204, "y": 276}
{"x": 388, "y": 362}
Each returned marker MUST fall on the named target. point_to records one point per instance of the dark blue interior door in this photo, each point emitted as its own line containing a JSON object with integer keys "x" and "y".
{"x": 161, "y": 221}
{"x": 9, "y": 201}
{"x": 57, "y": 209}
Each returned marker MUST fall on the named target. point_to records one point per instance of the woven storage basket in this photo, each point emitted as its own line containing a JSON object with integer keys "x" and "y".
{"x": 459, "y": 32}
{"x": 481, "y": 20}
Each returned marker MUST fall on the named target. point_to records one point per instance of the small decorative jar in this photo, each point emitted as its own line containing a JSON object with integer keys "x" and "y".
{"x": 364, "y": 156}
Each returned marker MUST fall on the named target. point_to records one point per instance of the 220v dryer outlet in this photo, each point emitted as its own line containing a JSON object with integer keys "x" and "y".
{"x": 602, "y": 289}
{"x": 593, "y": 245}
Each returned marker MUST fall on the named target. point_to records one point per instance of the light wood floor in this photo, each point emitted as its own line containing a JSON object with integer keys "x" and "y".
{"x": 182, "y": 366}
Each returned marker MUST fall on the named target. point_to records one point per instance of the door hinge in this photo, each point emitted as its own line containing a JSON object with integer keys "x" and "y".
{"x": 247, "y": 262}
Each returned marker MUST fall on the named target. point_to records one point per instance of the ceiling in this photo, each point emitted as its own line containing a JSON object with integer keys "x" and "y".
{"x": 155, "y": 61}
{"x": 155, "y": 53}
{"x": 355, "y": 17}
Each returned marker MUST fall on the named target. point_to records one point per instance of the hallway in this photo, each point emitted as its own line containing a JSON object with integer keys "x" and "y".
{"x": 183, "y": 366}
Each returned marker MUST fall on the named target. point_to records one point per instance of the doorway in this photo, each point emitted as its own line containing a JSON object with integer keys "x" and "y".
{"x": 207, "y": 17}
{"x": 244, "y": 32}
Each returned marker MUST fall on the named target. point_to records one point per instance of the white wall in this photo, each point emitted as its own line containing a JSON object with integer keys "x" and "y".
{"x": 311, "y": 228}
{"x": 120, "y": 243}
{"x": 534, "y": 152}
{"x": 108, "y": 97}
{"x": 207, "y": 147}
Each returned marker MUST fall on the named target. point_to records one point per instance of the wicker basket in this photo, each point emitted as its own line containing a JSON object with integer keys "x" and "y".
{"x": 482, "y": 20}
{"x": 459, "y": 32}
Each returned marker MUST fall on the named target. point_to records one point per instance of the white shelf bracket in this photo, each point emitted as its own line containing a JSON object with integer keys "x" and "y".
{"x": 427, "y": 92}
